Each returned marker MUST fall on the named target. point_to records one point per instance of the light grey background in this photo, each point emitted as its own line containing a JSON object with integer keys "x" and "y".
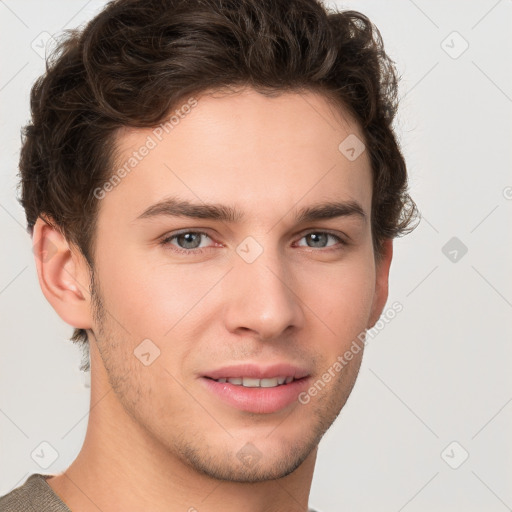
{"x": 438, "y": 373}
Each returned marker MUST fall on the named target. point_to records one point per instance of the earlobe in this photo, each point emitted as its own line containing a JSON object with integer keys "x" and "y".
{"x": 62, "y": 274}
{"x": 381, "y": 282}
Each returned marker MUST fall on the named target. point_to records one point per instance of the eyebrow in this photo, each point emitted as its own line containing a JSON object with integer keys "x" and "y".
{"x": 173, "y": 207}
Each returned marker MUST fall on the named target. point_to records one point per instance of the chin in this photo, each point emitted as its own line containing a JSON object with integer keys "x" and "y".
{"x": 269, "y": 457}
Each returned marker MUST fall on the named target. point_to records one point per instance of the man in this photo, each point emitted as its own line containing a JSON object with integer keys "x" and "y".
{"x": 212, "y": 188}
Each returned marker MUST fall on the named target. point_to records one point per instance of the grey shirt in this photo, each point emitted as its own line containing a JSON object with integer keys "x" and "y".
{"x": 35, "y": 495}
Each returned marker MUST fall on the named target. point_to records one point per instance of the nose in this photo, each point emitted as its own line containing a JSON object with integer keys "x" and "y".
{"x": 260, "y": 298}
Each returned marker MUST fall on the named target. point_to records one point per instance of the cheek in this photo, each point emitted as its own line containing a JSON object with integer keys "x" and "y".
{"x": 154, "y": 299}
{"x": 133, "y": 295}
{"x": 345, "y": 301}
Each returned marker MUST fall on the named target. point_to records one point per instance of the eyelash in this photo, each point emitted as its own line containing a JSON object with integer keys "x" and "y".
{"x": 167, "y": 241}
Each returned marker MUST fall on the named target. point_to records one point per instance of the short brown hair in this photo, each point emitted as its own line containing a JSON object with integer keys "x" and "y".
{"x": 135, "y": 60}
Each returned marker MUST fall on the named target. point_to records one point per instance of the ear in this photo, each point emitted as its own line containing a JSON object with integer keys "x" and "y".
{"x": 63, "y": 274}
{"x": 381, "y": 282}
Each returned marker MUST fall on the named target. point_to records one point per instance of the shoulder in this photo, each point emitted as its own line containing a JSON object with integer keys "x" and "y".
{"x": 34, "y": 495}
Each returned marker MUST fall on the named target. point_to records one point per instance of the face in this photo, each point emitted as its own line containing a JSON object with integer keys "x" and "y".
{"x": 199, "y": 320}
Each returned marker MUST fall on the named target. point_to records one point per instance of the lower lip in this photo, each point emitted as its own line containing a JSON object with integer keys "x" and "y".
{"x": 258, "y": 400}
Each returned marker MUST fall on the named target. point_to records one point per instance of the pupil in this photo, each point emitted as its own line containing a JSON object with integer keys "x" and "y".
{"x": 189, "y": 239}
{"x": 317, "y": 236}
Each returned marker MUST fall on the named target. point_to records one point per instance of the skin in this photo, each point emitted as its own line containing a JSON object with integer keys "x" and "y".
{"x": 157, "y": 439}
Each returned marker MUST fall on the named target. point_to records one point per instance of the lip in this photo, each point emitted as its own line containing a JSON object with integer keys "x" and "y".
{"x": 257, "y": 371}
{"x": 257, "y": 400}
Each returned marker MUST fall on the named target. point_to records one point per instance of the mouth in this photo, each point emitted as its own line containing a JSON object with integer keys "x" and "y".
{"x": 257, "y": 389}
{"x": 249, "y": 382}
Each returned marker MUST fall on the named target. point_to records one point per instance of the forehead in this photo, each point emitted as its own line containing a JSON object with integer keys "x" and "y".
{"x": 264, "y": 154}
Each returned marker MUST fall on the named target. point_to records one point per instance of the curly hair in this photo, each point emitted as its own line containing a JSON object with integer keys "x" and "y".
{"x": 132, "y": 63}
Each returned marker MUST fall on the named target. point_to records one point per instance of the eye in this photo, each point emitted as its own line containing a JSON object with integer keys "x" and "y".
{"x": 318, "y": 238}
{"x": 189, "y": 241}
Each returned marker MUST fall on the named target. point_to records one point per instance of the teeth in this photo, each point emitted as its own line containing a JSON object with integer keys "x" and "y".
{"x": 268, "y": 383}
{"x": 249, "y": 382}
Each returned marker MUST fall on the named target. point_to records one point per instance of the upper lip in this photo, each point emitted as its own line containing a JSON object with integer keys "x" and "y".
{"x": 256, "y": 371}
